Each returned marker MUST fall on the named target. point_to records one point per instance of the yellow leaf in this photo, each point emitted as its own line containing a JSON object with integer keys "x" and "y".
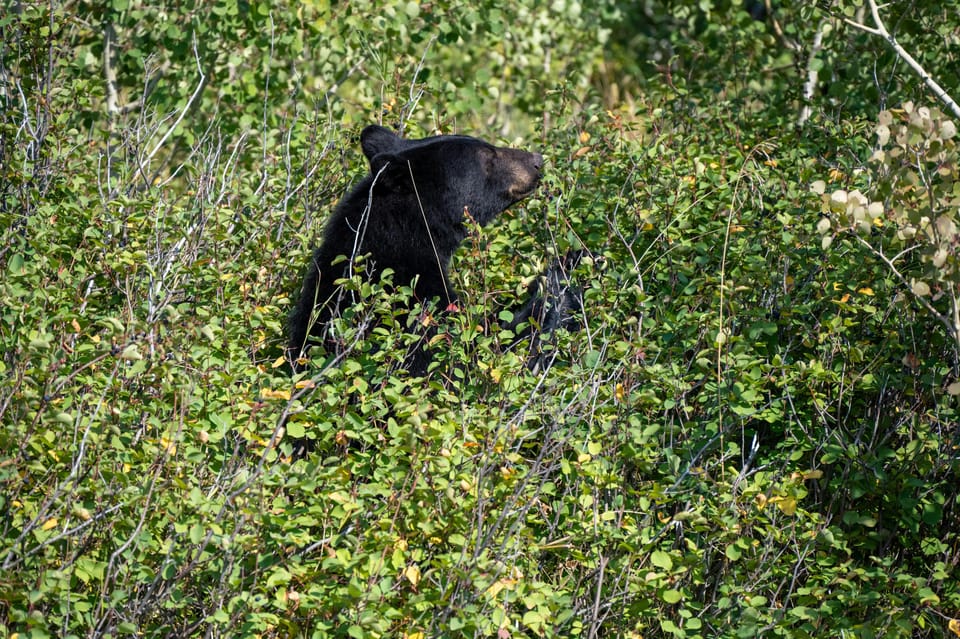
{"x": 280, "y": 361}
{"x": 583, "y": 150}
{"x": 412, "y": 573}
{"x": 268, "y": 393}
{"x": 168, "y": 445}
{"x": 50, "y": 523}
{"x": 866, "y": 291}
{"x": 761, "y": 500}
{"x": 788, "y": 505}
{"x": 954, "y": 626}
{"x": 584, "y": 137}
{"x": 413, "y": 635}
{"x": 505, "y": 583}
{"x": 495, "y": 589}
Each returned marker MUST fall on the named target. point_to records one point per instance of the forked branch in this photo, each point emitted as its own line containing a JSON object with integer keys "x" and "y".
{"x": 880, "y": 29}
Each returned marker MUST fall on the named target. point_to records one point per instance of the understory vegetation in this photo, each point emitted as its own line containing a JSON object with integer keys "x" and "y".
{"x": 755, "y": 434}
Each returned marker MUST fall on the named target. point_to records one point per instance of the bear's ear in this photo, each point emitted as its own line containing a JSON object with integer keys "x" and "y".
{"x": 380, "y": 169}
{"x": 376, "y": 140}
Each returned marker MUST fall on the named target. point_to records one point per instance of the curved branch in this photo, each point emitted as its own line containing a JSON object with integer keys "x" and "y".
{"x": 880, "y": 29}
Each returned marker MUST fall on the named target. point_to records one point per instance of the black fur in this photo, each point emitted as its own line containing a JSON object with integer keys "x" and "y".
{"x": 408, "y": 215}
{"x": 553, "y": 302}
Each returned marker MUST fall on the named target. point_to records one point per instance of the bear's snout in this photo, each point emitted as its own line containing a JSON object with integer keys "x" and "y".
{"x": 537, "y": 162}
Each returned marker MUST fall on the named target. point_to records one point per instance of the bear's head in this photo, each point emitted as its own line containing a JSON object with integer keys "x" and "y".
{"x": 450, "y": 176}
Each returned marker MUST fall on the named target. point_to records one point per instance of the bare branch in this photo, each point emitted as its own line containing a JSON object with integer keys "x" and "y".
{"x": 810, "y": 86}
{"x": 880, "y": 29}
{"x": 110, "y": 76}
{"x": 196, "y": 92}
{"x": 109, "y": 73}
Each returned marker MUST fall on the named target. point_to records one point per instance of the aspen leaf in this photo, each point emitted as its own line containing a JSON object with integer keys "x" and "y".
{"x": 838, "y": 201}
{"x": 919, "y": 288}
{"x": 883, "y": 135}
{"x": 948, "y": 129}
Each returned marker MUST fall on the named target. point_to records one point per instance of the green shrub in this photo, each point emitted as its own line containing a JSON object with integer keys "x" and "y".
{"x": 753, "y": 435}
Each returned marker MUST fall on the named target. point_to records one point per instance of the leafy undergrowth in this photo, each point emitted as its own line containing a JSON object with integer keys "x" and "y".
{"x": 750, "y": 436}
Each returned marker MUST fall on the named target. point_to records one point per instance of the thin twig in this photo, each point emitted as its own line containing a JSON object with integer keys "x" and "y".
{"x": 903, "y": 280}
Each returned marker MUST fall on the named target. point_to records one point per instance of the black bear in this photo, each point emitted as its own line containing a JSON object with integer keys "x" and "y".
{"x": 408, "y": 215}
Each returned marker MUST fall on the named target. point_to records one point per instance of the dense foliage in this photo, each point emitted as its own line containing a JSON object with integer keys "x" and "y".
{"x": 755, "y": 434}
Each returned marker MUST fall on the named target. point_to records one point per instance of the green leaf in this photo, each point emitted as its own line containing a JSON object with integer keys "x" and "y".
{"x": 296, "y": 429}
{"x": 661, "y": 560}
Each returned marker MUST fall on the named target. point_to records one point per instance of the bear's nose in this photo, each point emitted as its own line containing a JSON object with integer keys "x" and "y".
{"x": 537, "y": 161}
